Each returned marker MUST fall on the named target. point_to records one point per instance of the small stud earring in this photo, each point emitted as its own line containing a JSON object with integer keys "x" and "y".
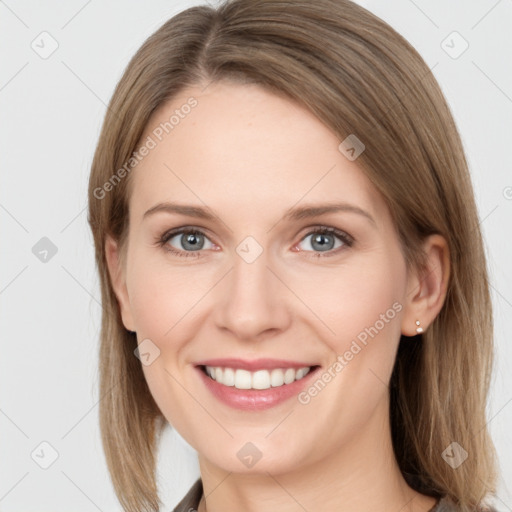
{"x": 419, "y": 329}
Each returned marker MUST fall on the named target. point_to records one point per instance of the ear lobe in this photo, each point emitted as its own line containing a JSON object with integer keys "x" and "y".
{"x": 427, "y": 291}
{"x": 117, "y": 278}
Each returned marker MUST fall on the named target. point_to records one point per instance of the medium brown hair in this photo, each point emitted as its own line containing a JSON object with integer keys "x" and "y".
{"x": 359, "y": 76}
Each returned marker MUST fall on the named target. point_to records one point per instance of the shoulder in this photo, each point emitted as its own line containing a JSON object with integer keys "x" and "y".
{"x": 445, "y": 504}
{"x": 191, "y": 500}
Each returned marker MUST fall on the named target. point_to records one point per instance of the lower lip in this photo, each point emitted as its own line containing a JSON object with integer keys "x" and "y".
{"x": 255, "y": 399}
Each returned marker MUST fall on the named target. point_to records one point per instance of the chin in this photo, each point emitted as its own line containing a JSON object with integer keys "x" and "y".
{"x": 252, "y": 458}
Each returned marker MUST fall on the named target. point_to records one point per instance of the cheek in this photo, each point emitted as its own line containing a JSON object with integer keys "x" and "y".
{"x": 163, "y": 299}
{"x": 164, "y": 302}
{"x": 360, "y": 307}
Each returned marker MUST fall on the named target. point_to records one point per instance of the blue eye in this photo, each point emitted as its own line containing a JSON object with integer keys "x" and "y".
{"x": 324, "y": 240}
{"x": 192, "y": 241}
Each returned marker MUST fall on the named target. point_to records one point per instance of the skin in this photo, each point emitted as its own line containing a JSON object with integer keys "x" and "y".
{"x": 267, "y": 154}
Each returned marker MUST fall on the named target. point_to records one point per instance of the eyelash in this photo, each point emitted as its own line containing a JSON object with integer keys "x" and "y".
{"x": 347, "y": 240}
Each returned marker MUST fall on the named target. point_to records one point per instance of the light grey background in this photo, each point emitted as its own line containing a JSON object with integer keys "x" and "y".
{"x": 52, "y": 110}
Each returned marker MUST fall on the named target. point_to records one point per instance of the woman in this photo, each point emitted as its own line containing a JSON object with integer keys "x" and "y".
{"x": 292, "y": 269}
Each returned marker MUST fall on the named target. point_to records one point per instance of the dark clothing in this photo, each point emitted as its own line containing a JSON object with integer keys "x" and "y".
{"x": 191, "y": 501}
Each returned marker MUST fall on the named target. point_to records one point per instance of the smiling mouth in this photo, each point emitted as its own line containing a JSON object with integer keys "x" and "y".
{"x": 260, "y": 379}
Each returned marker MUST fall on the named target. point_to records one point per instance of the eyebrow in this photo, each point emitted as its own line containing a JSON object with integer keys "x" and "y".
{"x": 292, "y": 214}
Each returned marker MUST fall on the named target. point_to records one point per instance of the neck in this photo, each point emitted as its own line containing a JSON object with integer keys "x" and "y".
{"x": 360, "y": 475}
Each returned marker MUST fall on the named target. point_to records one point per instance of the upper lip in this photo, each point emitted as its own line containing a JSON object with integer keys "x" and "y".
{"x": 255, "y": 364}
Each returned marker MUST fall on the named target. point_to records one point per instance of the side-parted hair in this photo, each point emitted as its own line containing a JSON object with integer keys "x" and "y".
{"x": 358, "y": 76}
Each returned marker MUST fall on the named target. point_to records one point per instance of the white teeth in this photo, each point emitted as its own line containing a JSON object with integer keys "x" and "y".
{"x": 228, "y": 377}
{"x": 242, "y": 379}
{"x": 276, "y": 378}
{"x": 289, "y": 376}
{"x": 300, "y": 373}
{"x": 261, "y": 379}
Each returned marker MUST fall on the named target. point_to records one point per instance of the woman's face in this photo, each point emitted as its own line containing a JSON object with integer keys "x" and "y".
{"x": 259, "y": 280}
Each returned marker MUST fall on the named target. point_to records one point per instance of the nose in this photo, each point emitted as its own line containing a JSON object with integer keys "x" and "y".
{"x": 252, "y": 300}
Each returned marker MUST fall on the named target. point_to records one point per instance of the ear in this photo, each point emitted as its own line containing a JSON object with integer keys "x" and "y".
{"x": 117, "y": 278}
{"x": 426, "y": 289}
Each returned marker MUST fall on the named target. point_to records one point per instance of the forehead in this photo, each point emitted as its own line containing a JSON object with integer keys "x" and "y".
{"x": 244, "y": 150}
